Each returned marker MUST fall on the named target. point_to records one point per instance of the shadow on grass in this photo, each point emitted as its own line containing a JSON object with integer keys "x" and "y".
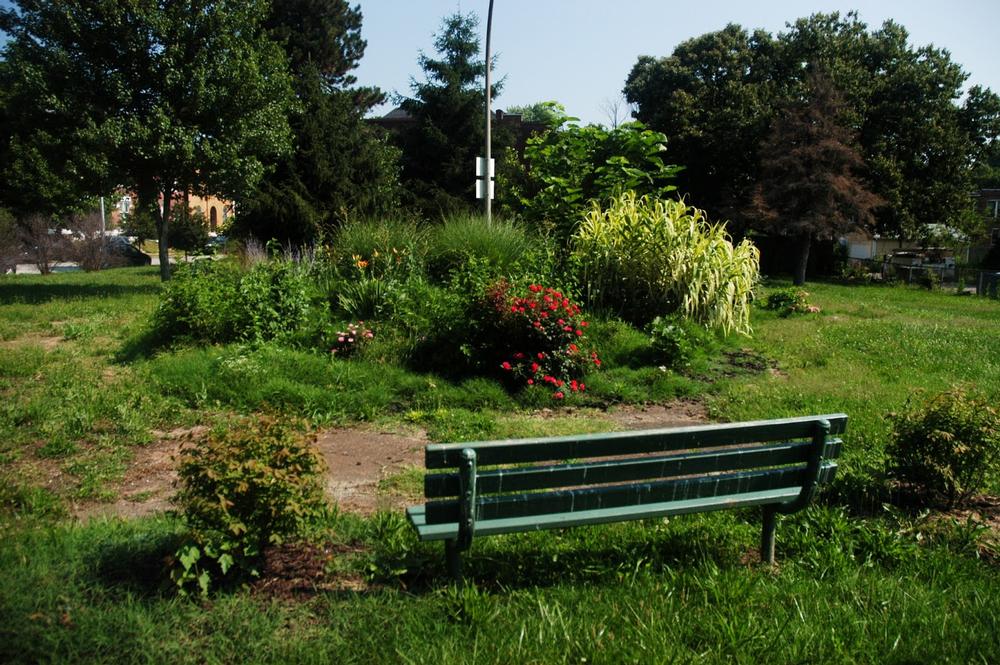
{"x": 141, "y": 346}
{"x": 137, "y": 565}
{"x": 17, "y": 292}
{"x": 601, "y": 555}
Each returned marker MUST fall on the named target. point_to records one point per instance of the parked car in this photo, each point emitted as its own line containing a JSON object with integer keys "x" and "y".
{"x": 118, "y": 251}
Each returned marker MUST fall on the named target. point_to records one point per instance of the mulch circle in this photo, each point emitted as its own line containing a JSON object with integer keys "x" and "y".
{"x": 299, "y": 570}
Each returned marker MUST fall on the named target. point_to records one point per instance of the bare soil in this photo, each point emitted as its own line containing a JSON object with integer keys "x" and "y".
{"x": 358, "y": 460}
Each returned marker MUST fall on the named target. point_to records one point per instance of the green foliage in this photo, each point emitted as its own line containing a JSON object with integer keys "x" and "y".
{"x": 384, "y": 247}
{"x": 676, "y": 341}
{"x": 571, "y": 168}
{"x": 789, "y": 301}
{"x": 217, "y": 301}
{"x": 948, "y": 445}
{"x": 215, "y": 94}
{"x": 642, "y": 257}
{"x": 502, "y": 247}
{"x": 140, "y": 224}
{"x": 252, "y": 484}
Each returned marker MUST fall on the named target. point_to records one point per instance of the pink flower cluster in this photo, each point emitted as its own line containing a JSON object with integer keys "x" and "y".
{"x": 348, "y": 341}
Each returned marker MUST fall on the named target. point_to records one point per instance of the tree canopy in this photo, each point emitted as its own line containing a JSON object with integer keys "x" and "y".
{"x": 155, "y": 97}
{"x": 340, "y": 165}
{"x": 716, "y": 97}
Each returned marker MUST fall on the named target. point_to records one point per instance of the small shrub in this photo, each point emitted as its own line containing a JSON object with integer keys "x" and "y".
{"x": 274, "y": 299}
{"x": 948, "y": 446}
{"x": 790, "y": 301}
{"x": 676, "y": 340}
{"x": 378, "y": 248}
{"x": 242, "y": 489}
{"x": 540, "y": 337}
{"x": 644, "y": 257}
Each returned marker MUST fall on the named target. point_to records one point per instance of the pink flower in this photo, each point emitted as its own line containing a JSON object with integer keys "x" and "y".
{"x": 579, "y": 333}
{"x": 506, "y": 365}
{"x": 531, "y": 382}
{"x": 558, "y": 395}
{"x": 340, "y": 339}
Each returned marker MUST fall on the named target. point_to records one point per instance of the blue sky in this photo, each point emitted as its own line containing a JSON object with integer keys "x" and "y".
{"x": 579, "y": 52}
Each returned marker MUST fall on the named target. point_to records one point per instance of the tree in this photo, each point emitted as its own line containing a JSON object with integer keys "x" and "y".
{"x": 552, "y": 114}
{"x": 712, "y": 100}
{"x": 155, "y": 97}
{"x": 439, "y": 151}
{"x": 809, "y": 185}
{"x": 715, "y": 96}
{"x": 340, "y": 166}
{"x": 188, "y": 229}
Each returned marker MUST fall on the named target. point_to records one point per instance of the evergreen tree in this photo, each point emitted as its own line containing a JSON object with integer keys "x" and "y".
{"x": 439, "y": 151}
{"x": 341, "y": 166}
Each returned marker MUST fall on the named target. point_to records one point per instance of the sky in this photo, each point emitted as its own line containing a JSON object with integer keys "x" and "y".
{"x": 579, "y": 52}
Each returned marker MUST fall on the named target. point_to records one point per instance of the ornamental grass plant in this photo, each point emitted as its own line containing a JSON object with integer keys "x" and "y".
{"x": 643, "y": 257}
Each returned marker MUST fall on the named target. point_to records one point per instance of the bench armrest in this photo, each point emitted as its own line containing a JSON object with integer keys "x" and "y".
{"x": 466, "y": 499}
{"x": 813, "y": 467}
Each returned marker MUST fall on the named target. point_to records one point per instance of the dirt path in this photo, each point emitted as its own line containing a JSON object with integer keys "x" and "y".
{"x": 358, "y": 460}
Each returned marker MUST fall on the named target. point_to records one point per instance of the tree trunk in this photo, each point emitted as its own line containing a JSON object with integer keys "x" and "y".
{"x": 163, "y": 229}
{"x": 802, "y": 244}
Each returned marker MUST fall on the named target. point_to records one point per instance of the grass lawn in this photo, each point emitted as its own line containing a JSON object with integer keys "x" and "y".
{"x": 856, "y": 582}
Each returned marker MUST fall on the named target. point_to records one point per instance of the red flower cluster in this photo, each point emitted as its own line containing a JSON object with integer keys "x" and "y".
{"x": 549, "y": 326}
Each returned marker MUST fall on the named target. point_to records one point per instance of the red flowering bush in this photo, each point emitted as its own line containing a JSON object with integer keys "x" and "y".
{"x": 543, "y": 337}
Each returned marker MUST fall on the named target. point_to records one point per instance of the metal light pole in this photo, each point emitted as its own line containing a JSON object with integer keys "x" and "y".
{"x": 489, "y": 118}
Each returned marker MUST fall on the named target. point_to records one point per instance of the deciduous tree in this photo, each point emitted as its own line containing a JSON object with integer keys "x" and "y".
{"x": 154, "y": 96}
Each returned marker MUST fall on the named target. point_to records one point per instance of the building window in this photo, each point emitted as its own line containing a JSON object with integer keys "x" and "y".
{"x": 993, "y": 208}
{"x": 213, "y": 219}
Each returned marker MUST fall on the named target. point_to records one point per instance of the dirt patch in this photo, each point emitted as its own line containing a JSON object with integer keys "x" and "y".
{"x": 984, "y": 511}
{"x": 47, "y": 342}
{"x": 358, "y": 460}
{"x": 297, "y": 570}
{"x": 678, "y": 413}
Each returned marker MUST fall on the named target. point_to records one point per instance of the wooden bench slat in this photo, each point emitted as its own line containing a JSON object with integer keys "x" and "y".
{"x": 442, "y": 456}
{"x": 427, "y": 532}
{"x": 616, "y": 496}
{"x": 615, "y": 471}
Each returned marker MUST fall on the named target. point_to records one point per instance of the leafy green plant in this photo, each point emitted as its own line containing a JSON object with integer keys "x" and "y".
{"x": 274, "y": 299}
{"x": 676, "y": 340}
{"x": 949, "y": 445}
{"x": 243, "y": 488}
{"x": 378, "y": 248}
{"x": 642, "y": 257}
{"x": 567, "y": 169}
{"x": 790, "y": 301}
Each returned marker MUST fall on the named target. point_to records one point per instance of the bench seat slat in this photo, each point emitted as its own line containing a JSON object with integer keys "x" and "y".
{"x": 488, "y": 453}
{"x": 622, "y": 470}
{"x": 417, "y": 514}
{"x": 616, "y": 496}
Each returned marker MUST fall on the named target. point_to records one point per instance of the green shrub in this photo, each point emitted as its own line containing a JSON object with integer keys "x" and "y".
{"x": 217, "y": 301}
{"x": 243, "y": 488}
{"x": 643, "y": 257}
{"x": 378, "y": 248}
{"x": 677, "y": 340}
{"x": 274, "y": 300}
{"x": 789, "y": 301}
{"x": 948, "y": 446}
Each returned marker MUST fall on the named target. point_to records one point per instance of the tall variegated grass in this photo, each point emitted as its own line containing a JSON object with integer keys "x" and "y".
{"x": 644, "y": 257}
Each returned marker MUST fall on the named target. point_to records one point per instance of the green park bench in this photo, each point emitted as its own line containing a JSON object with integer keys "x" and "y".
{"x": 494, "y": 487}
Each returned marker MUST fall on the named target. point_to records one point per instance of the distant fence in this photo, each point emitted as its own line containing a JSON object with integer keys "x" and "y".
{"x": 984, "y": 282}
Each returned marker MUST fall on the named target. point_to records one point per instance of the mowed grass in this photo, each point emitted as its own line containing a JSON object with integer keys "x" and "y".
{"x": 877, "y": 586}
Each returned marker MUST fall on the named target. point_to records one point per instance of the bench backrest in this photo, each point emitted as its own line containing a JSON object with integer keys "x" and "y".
{"x": 523, "y": 477}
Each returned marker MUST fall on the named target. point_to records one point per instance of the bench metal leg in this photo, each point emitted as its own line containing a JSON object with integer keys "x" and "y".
{"x": 453, "y": 556}
{"x": 767, "y": 535}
